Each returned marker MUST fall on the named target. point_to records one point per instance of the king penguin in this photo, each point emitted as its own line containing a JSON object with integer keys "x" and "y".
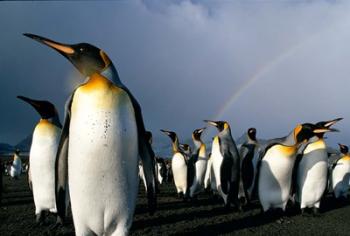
{"x": 16, "y": 167}
{"x": 249, "y": 153}
{"x": 102, "y": 137}
{"x": 275, "y": 167}
{"x": 312, "y": 169}
{"x": 200, "y": 158}
{"x": 225, "y": 163}
{"x": 340, "y": 177}
{"x": 42, "y": 156}
{"x": 178, "y": 165}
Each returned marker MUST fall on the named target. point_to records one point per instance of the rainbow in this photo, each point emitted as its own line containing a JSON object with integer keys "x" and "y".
{"x": 260, "y": 73}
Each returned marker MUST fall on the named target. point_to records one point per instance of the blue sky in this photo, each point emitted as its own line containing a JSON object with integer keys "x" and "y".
{"x": 184, "y": 60}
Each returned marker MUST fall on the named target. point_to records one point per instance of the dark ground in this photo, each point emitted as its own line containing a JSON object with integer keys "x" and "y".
{"x": 174, "y": 216}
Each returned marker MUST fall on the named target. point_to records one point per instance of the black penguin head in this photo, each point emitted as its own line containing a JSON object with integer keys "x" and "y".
{"x": 220, "y": 125}
{"x": 252, "y": 133}
{"x": 148, "y": 135}
{"x": 343, "y": 148}
{"x": 327, "y": 125}
{"x": 17, "y": 151}
{"x": 46, "y": 109}
{"x": 307, "y": 130}
{"x": 197, "y": 134}
{"x": 185, "y": 147}
{"x": 87, "y": 58}
{"x": 171, "y": 134}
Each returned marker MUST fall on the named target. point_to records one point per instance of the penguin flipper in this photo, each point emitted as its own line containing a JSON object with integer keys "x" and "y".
{"x": 295, "y": 174}
{"x": 61, "y": 165}
{"x": 146, "y": 155}
{"x": 191, "y": 171}
{"x": 226, "y": 173}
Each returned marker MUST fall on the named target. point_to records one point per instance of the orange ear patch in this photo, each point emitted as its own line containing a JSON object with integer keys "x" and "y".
{"x": 297, "y": 130}
{"x": 226, "y": 125}
{"x": 105, "y": 58}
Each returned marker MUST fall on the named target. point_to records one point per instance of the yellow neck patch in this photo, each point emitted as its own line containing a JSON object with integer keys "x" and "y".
{"x": 346, "y": 157}
{"x": 320, "y": 144}
{"x": 202, "y": 150}
{"x": 286, "y": 150}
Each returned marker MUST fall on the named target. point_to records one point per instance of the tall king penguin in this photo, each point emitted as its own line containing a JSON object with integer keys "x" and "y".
{"x": 312, "y": 169}
{"x": 102, "y": 138}
{"x": 276, "y": 167}
{"x": 225, "y": 163}
{"x": 178, "y": 165}
{"x": 42, "y": 156}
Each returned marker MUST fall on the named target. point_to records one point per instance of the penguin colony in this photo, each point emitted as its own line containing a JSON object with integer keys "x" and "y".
{"x": 98, "y": 155}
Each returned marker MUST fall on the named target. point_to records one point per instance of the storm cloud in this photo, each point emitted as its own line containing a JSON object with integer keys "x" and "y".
{"x": 184, "y": 60}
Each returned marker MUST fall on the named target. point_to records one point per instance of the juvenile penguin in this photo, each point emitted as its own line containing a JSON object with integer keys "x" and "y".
{"x": 225, "y": 163}
{"x": 16, "y": 167}
{"x": 178, "y": 164}
{"x": 102, "y": 138}
{"x": 312, "y": 169}
{"x": 42, "y": 156}
{"x": 341, "y": 173}
{"x": 200, "y": 159}
{"x": 276, "y": 166}
{"x": 249, "y": 153}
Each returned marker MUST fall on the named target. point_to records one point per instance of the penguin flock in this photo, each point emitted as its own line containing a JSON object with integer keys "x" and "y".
{"x": 92, "y": 163}
{"x": 294, "y": 168}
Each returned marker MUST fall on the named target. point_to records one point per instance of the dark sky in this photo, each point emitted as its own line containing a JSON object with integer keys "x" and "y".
{"x": 273, "y": 63}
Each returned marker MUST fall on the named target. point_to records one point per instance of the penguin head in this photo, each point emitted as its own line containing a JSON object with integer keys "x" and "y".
{"x": 343, "y": 148}
{"x": 220, "y": 125}
{"x": 17, "y": 151}
{"x": 185, "y": 148}
{"x": 327, "y": 125}
{"x": 148, "y": 135}
{"x": 196, "y": 135}
{"x": 252, "y": 133}
{"x": 87, "y": 58}
{"x": 306, "y": 131}
{"x": 171, "y": 134}
{"x": 46, "y": 109}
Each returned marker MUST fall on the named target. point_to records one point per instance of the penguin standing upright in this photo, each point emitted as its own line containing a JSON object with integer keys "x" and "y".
{"x": 200, "y": 158}
{"x": 225, "y": 163}
{"x": 42, "y": 156}
{"x": 341, "y": 173}
{"x": 102, "y": 138}
{"x": 16, "y": 167}
{"x": 312, "y": 169}
{"x": 161, "y": 170}
{"x": 178, "y": 164}
{"x": 249, "y": 153}
{"x": 276, "y": 167}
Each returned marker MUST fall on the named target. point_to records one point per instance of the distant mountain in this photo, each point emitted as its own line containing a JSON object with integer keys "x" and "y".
{"x": 25, "y": 144}
{"x": 6, "y": 148}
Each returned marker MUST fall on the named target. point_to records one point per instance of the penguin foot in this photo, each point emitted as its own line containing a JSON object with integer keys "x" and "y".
{"x": 316, "y": 212}
{"x": 39, "y": 219}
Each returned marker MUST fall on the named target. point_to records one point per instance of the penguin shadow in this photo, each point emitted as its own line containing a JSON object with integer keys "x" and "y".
{"x": 159, "y": 220}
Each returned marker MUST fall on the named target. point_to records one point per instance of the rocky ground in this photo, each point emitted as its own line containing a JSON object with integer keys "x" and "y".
{"x": 205, "y": 217}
